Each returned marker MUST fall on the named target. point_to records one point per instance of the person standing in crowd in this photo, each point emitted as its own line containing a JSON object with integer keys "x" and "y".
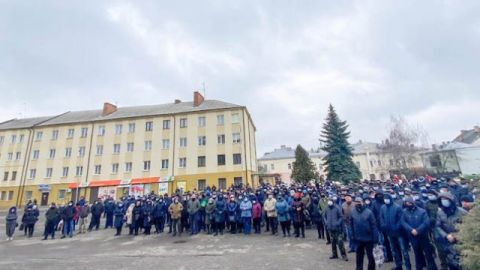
{"x": 334, "y": 221}
{"x": 257, "y": 216}
{"x": 232, "y": 207}
{"x": 175, "y": 211}
{"x": 347, "y": 208}
{"x": 415, "y": 222}
{"x": 449, "y": 216}
{"x": 202, "y": 213}
{"x": 363, "y": 227}
{"x": 193, "y": 207}
{"x": 298, "y": 215}
{"x": 30, "y": 217}
{"x": 119, "y": 217}
{"x": 246, "y": 215}
{"x": 271, "y": 211}
{"x": 67, "y": 217}
{"x": 147, "y": 217}
{"x": 129, "y": 215}
{"x": 97, "y": 210}
{"x": 220, "y": 213}
{"x": 210, "y": 216}
{"x": 137, "y": 216}
{"x": 316, "y": 215}
{"x": 159, "y": 215}
{"x": 283, "y": 213}
{"x": 390, "y": 224}
{"x": 323, "y": 204}
{"x": 83, "y": 217}
{"x": 431, "y": 206}
{"x": 52, "y": 215}
{"x": 109, "y": 208}
{"x": 377, "y": 203}
{"x": 11, "y": 222}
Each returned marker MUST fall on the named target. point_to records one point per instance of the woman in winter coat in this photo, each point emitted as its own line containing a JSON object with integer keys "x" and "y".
{"x": 119, "y": 215}
{"x": 147, "y": 217}
{"x": 30, "y": 217}
{"x": 232, "y": 208}
{"x": 298, "y": 216}
{"x": 129, "y": 215}
{"x": 283, "y": 215}
{"x": 137, "y": 215}
{"x": 209, "y": 215}
{"x": 51, "y": 218}
{"x": 246, "y": 214}
{"x": 220, "y": 208}
{"x": 256, "y": 215}
{"x": 11, "y": 220}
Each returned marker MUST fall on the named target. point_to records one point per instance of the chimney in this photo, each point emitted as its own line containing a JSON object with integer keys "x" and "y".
{"x": 108, "y": 108}
{"x": 177, "y": 101}
{"x": 197, "y": 99}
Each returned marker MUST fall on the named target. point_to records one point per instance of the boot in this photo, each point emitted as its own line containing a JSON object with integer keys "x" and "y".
{"x": 344, "y": 257}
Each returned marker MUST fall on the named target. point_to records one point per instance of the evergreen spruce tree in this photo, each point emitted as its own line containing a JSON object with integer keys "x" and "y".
{"x": 338, "y": 161}
{"x": 303, "y": 168}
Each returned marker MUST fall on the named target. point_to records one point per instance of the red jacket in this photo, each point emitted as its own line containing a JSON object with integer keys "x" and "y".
{"x": 256, "y": 210}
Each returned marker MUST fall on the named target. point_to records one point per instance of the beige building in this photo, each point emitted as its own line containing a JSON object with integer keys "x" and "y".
{"x": 135, "y": 150}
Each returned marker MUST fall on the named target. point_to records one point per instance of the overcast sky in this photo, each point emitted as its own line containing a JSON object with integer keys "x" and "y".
{"x": 285, "y": 60}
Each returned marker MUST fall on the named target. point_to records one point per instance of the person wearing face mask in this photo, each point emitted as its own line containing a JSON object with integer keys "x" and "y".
{"x": 220, "y": 209}
{"x": 390, "y": 218}
{"x": 209, "y": 215}
{"x": 334, "y": 220}
{"x": 83, "y": 218}
{"x": 316, "y": 215}
{"x": 298, "y": 216}
{"x": 159, "y": 214}
{"x": 11, "y": 222}
{"x": 449, "y": 216}
{"x": 51, "y": 217}
{"x": 269, "y": 207}
{"x": 377, "y": 204}
{"x": 364, "y": 232}
{"x": 415, "y": 222}
{"x": 175, "y": 209}
{"x": 256, "y": 216}
{"x": 193, "y": 207}
{"x": 246, "y": 215}
{"x": 323, "y": 205}
{"x": 147, "y": 217}
{"x": 119, "y": 216}
{"x": 282, "y": 207}
{"x": 232, "y": 207}
{"x": 97, "y": 210}
{"x": 67, "y": 216}
{"x": 431, "y": 206}
{"x": 347, "y": 208}
{"x": 30, "y": 217}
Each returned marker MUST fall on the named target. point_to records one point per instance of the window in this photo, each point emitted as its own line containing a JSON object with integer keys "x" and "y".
{"x": 99, "y": 150}
{"x": 221, "y": 139}
{"x": 235, "y": 118}
{"x": 2, "y": 138}
{"x": 166, "y": 124}
{"x": 237, "y": 181}
{"x": 272, "y": 167}
{"x": 3, "y": 196}
{"x": 101, "y": 131}
{"x": 116, "y": 148}
{"x": 33, "y": 173}
{"x": 52, "y": 154}
{"x": 435, "y": 161}
{"x": 81, "y": 151}
{"x": 14, "y": 175}
{"x": 222, "y": 183}
{"x": 114, "y": 168}
{"x": 10, "y": 156}
{"x": 371, "y": 163}
{"x": 149, "y": 126}
{"x": 10, "y": 195}
{"x": 183, "y": 142}
{"x": 20, "y": 140}
{"x": 201, "y": 184}
{"x": 220, "y": 120}
{"x": 237, "y": 159}
{"x": 358, "y": 164}
{"x": 391, "y": 162}
{"x": 18, "y": 156}
{"x": 61, "y": 194}
{"x": 28, "y": 195}
{"x": 70, "y": 133}
{"x": 128, "y": 166}
{"x": 202, "y": 140}
{"x": 379, "y": 162}
{"x": 289, "y": 166}
{"x": 5, "y": 176}
{"x": 164, "y": 163}
{"x": 84, "y": 132}
{"x": 39, "y": 136}
{"x": 68, "y": 152}
{"x": 14, "y": 138}
{"x": 146, "y": 165}
{"x": 79, "y": 171}
{"x": 118, "y": 129}
{"x": 130, "y": 147}
{"x": 201, "y": 161}
{"x": 65, "y": 172}
{"x": 54, "y": 135}
{"x": 49, "y": 172}
{"x": 202, "y": 121}
{"x": 131, "y": 127}
{"x": 148, "y": 145}
{"x": 221, "y": 160}
{"x": 182, "y": 162}
{"x": 236, "y": 137}
{"x": 165, "y": 144}
{"x": 36, "y": 154}
{"x": 98, "y": 169}
{"x": 183, "y": 123}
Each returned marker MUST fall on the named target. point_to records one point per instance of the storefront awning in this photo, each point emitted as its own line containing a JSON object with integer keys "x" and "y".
{"x": 104, "y": 183}
{"x": 146, "y": 180}
{"x": 73, "y": 185}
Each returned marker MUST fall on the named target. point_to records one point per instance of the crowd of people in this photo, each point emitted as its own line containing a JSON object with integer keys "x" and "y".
{"x": 394, "y": 215}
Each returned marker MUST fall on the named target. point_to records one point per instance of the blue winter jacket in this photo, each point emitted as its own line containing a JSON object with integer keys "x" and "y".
{"x": 282, "y": 210}
{"x": 363, "y": 225}
{"x": 246, "y": 209}
{"x": 334, "y": 218}
{"x": 390, "y": 219}
{"x": 220, "y": 210}
{"x": 415, "y": 218}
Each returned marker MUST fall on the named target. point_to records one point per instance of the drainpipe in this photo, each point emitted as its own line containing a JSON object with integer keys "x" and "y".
{"x": 245, "y": 146}
{"x": 26, "y": 162}
{"x": 88, "y": 163}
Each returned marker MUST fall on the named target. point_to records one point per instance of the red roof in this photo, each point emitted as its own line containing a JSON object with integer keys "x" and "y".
{"x": 146, "y": 180}
{"x": 104, "y": 183}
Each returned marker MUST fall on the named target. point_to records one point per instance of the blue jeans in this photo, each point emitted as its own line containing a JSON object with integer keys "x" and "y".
{"x": 68, "y": 227}
{"x": 399, "y": 251}
{"x": 247, "y": 222}
{"x": 194, "y": 223}
{"x": 352, "y": 246}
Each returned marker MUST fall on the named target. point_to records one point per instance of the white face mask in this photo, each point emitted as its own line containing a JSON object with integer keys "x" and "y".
{"x": 330, "y": 203}
{"x": 446, "y": 203}
{"x": 386, "y": 201}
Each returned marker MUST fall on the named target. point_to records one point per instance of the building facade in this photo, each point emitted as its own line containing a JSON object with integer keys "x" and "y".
{"x": 134, "y": 150}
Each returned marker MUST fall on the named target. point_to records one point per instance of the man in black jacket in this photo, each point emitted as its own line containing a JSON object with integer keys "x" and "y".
{"x": 97, "y": 210}
{"x": 67, "y": 216}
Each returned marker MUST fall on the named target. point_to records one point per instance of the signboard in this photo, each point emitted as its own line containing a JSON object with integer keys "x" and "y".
{"x": 162, "y": 188}
{"x": 136, "y": 190}
{"x": 43, "y": 188}
{"x": 105, "y": 192}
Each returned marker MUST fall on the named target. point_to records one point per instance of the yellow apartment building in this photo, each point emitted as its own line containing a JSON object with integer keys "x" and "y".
{"x": 126, "y": 150}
